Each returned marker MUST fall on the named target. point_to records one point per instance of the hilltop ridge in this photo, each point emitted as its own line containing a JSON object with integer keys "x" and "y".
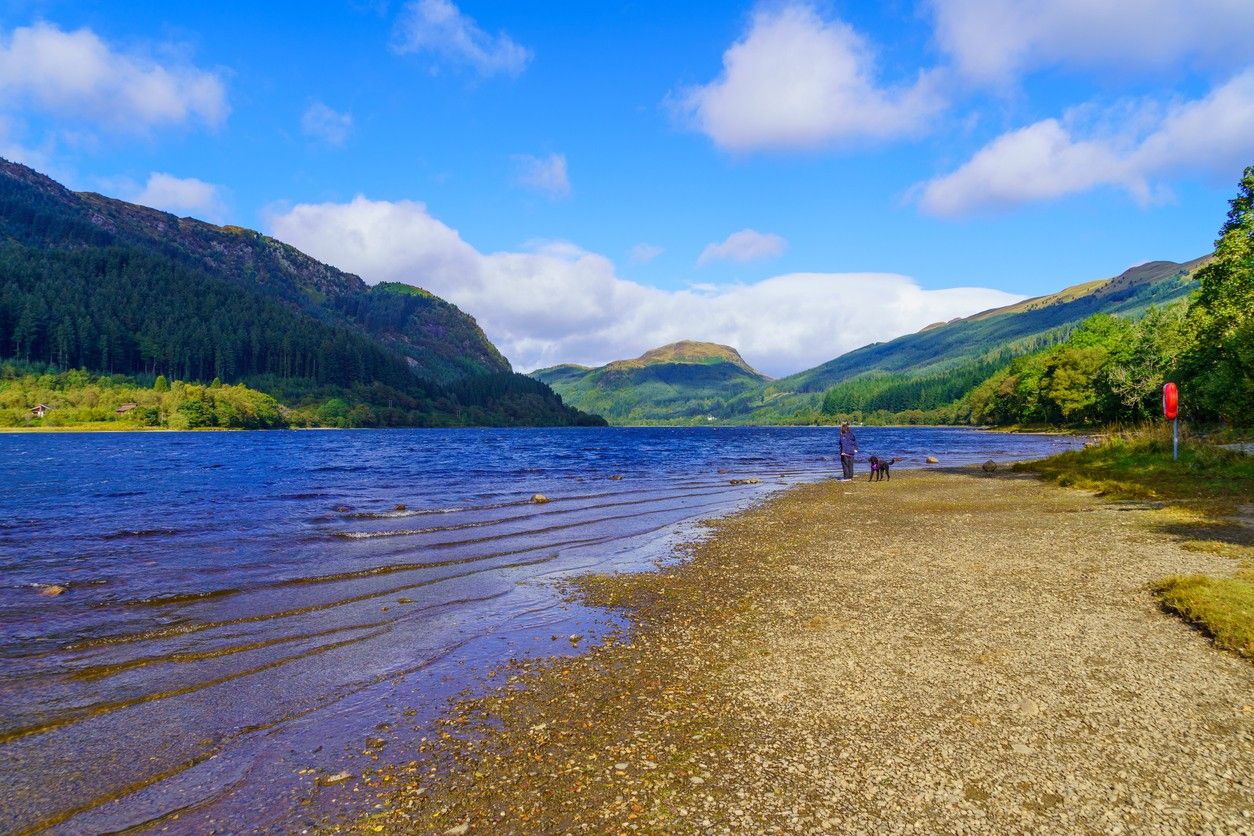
{"x": 681, "y": 381}
{"x": 687, "y": 351}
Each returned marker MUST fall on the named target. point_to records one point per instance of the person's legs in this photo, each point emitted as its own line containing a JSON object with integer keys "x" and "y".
{"x": 846, "y": 465}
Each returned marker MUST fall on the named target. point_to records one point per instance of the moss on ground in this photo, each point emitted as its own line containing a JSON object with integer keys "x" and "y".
{"x": 1223, "y": 607}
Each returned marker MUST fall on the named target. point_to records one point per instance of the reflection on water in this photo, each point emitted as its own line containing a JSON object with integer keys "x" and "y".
{"x": 242, "y": 607}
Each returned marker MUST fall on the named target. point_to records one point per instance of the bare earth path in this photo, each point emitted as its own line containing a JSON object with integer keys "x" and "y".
{"x": 946, "y": 652}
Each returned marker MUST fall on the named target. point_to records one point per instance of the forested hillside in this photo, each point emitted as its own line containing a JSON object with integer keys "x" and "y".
{"x": 918, "y": 377}
{"x": 1111, "y": 367}
{"x": 1094, "y": 353}
{"x": 107, "y": 286}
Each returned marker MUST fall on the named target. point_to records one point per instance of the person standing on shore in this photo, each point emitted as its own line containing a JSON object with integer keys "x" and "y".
{"x": 848, "y": 446}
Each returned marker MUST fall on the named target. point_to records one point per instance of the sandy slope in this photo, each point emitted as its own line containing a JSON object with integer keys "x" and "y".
{"x": 945, "y": 651}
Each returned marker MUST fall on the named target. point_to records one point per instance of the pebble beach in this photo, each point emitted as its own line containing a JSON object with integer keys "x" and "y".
{"x": 947, "y": 651}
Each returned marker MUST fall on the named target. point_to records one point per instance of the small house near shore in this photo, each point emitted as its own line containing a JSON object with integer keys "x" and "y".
{"x": 125, "y": 408}
{"x": 40, "y": 410}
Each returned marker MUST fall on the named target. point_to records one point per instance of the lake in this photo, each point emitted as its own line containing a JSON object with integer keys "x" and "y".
{"x": 243, "y": 610}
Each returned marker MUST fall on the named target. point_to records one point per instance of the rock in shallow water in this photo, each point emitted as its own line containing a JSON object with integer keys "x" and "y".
{"x": 933, "y": 460}
{"x": 539, "y": 499}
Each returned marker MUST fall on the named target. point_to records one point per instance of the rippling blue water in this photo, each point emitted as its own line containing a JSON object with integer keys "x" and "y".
{"x": 242, "y": 606}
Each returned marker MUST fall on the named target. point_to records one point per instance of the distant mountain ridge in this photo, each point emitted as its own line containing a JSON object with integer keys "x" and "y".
{"x": 945, "y": 344}
{"x": 675, "y": 382}
{"x": 111, "y": 286}
{"x": 928, "y": 368}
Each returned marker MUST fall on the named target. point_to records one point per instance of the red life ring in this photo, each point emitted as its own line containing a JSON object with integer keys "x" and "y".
{"x": 1171, "y": 401}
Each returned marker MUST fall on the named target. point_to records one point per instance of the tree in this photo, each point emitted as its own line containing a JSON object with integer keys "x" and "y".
{"x": 1221, "y": 364}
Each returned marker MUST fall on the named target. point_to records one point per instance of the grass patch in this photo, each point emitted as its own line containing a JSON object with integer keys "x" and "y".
{"x": 1223, "y": 607}
{"x": 1139, "y": 466}
{"x": 1206, "y": 485}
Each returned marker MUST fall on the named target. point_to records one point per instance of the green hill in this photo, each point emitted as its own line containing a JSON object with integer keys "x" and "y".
{"x": 943, "y": 361}
{"x": 100, "y": 284}
{"x": 926, "y": 370}
{"x": 685, "y": 382}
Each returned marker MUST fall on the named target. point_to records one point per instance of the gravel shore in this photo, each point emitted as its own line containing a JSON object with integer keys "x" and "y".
{"x": 950, "y": 652}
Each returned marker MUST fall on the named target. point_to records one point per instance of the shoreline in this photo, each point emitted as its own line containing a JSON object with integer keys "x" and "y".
{"x": 947, "y": 649}
{"x": 90, "y": 428}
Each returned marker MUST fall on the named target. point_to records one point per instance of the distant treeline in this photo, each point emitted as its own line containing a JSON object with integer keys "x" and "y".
{"x": 81, "y": 398}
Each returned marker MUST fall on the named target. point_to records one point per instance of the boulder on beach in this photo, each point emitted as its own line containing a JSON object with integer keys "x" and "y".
{"x": 989, "y": 466}
{"x": 933, "y": 460}
{"x": 539, "y": 499}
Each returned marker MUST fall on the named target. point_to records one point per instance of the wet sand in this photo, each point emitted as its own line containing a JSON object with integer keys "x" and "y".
{"x": 950, "y": 652}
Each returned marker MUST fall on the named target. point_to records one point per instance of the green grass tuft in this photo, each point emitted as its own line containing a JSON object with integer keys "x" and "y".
{"x": 1139, "y": 466}
{"x": 1223, "y": 607}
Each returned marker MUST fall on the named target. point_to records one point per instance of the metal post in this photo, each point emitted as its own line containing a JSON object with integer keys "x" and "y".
{"x": 1175, "y": 439}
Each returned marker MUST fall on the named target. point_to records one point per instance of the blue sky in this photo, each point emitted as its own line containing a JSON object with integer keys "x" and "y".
{"x": 593, "y": 179}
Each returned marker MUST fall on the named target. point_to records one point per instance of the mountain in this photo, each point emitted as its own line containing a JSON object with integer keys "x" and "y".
{"x": 110, "y": 286}
{"x": 682, "y": 382}
{"x": 943, "y": 361}
{"x": 925, "y": 370}
{"x": 1032, "y": 321}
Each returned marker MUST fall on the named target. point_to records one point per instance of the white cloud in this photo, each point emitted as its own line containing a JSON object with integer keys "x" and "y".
{"x": 796, "y": 80}
{"x": 559, "y": 303}
{"x": 439, "y": 27}
{"x": 546, "y": 174}
{"x": 77, "y": 75}
{"x": 1053, "y": 158}
{"x": 322, "y": 123}
{"x": 742, "y": 246}
{"x": 995, "y": 40}
{"x": 182, "y": 196}
{"x": 643, "y": 253}
{"x": 14, "y": 150}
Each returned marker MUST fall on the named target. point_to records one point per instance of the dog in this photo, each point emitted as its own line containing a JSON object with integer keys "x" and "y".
{"x": 880, "y": 468}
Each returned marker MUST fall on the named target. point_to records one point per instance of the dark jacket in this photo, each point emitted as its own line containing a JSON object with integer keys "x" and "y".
{"x": 848, "y": 444}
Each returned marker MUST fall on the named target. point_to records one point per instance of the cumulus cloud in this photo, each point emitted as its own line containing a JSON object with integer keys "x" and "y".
{"x": 797, "y": 81}
{"x": 77, "y": 75}
{"x": 994, "y": 40}
{"x": 439, "y": 27}
{"x": 182, "y": 196}
{"x": 643, "y": 253}
{"x": 559, "y": 303}
{"x": 325, "y": 125}
{"x": 545, "y": 174}
{"x": 1054, "y": 158}
{"x": 742, "y": 246}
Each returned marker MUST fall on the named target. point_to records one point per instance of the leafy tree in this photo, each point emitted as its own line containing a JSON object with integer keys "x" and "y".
{"x": 1220, "y": 365}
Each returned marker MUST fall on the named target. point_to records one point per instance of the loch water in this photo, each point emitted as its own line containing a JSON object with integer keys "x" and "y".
{"x": 244, "y": 610}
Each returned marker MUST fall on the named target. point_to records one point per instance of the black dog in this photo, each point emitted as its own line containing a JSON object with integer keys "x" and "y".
{"x": 880, "y": 468}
